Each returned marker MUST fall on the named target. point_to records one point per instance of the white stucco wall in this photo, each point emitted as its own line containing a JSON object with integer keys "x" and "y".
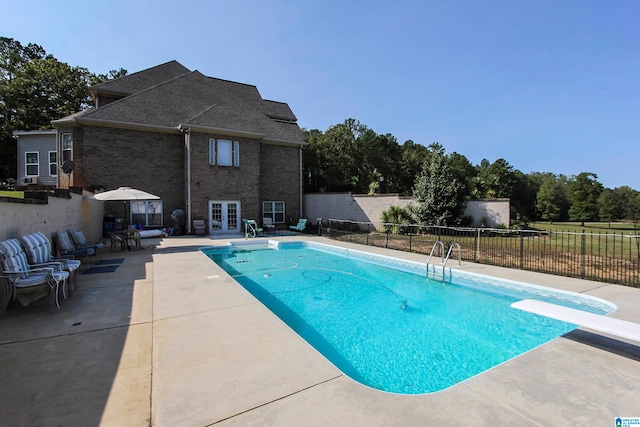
{"x": 356, "y": 207}
{"x": 59, "y": 214}
{"x": 366, "y": 208}
{"x": 494, "y": 212}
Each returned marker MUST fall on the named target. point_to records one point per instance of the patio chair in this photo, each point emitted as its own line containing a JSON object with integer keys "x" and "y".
{"x": 199, "y": 227}
{"x": 80, "y": 241}
{"x": 132, "y": 238}
{"x": 268, "y": 225}
{"x": 28, "y": 282}
{"x": 38, "y": 249}
{"x": 251, "y": 228}
{"x": 65, "y": 246}
{"x": 300, "y": 226}
{"x": 116, "y": 240}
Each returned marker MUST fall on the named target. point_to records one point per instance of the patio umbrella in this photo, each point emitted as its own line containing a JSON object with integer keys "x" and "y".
{"x": 124, "y": 194}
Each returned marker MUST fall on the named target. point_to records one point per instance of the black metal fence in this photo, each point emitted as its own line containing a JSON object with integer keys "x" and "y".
{"x": 612, "y": 258}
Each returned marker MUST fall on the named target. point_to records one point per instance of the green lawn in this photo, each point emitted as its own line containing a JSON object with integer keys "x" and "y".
{"x": 589, "y": 227}
{"x": 16, "y": 194}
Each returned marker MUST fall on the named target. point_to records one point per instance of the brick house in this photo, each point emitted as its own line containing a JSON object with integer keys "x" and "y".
{"x": 214, "y": 148}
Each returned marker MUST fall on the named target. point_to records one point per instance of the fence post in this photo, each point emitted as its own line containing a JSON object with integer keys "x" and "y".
{"x": 521, "y": 251}
{"x": 366, "y": 239}
{"x": 386, "y": 243}
{"x": 583, "y": 250}
{"x": 476, "y": 248}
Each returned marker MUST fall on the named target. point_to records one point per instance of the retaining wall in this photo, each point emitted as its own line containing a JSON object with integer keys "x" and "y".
{"x": 51, "y": 214}
{"x": 369, "y": 208}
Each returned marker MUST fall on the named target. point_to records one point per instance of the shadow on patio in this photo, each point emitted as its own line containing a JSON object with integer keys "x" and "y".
{"x": 61, "y": 369}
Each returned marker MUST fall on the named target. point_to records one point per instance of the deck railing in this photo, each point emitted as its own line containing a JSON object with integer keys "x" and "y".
{"x": 610, "y": 257}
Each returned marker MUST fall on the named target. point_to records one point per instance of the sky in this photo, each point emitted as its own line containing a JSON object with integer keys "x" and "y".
{"x": 549, "y": 86}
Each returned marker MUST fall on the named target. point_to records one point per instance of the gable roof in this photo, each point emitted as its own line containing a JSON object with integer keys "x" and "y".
{"x": 142, "y": 80}
{"x": 170, "y": 98}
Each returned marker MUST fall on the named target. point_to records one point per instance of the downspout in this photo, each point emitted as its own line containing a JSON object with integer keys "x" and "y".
{"x": 187, "y": 143}
{"x": 301, "y": 171}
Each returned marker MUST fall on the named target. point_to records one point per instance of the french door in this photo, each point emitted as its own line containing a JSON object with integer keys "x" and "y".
{"x": 224, "y": 216}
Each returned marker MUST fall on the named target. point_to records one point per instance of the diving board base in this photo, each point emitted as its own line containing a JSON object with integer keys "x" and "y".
{"x": 596, "y": 322}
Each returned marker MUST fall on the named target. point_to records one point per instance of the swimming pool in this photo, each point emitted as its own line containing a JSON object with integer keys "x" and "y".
{"x": 384, "y": 324}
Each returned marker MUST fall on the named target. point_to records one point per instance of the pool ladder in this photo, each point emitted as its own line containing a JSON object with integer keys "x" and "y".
{"x": 438, "y": 243}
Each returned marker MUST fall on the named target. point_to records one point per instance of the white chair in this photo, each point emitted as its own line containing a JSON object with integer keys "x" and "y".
{"x": 251, "y": 228}
{"x": 199, "y": 227}
{"x": 268, "y": 225}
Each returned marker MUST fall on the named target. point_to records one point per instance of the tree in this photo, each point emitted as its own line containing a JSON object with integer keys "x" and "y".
{"x": 36, "y": 88}
{"x": 394, "y": 215}
{"x": 498, "y": 179}
{"x": 583, "y": 192}
{"x": 610, "y": 206}
{"x": 626, "y": 197}
{"x": 378, "y": 158}
{"x": 551, "y": 204}
{"x": 334, "y": 167}
{"x": 464, "y": 172}
{"x": 413, "y": 157}
{"x": 633, "y": 212}
{"x": 436, "y": 192}
{"x": 523, "y": 196}
{"x": 478, "y": 183}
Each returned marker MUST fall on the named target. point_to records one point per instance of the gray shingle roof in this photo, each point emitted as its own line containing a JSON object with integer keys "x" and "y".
{"x": 141, "y": 80}
{"x": 192, "y": 99}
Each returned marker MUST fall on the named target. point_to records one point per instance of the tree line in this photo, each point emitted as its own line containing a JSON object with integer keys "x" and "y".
{"x": 36, "y": 88}
{"x": 352, "y": 157}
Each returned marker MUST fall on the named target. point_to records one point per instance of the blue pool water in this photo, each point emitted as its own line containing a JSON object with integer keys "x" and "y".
{"x": 386, "y": 325}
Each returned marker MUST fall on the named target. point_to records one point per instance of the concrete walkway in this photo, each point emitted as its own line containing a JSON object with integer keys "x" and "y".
{"x": 168, "y": 339}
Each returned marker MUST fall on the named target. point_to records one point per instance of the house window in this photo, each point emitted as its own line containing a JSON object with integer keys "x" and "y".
{"x": 32, "y": 164}
{"x": 67, "y": 145}
{"x": 147, "y": 213}
{"x": 273, "y": 210}
{"x": 53, "y": 163}
{"x": 223, "y": 152}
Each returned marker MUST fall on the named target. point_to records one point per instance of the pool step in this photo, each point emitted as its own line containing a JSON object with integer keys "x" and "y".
{"x": 597, "y": 322}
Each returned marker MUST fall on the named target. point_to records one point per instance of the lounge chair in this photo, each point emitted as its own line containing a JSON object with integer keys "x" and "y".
{"x": 28, "y": 282}
{"x": 268, "y": 225}
{"x": 251, "y": 228}
{"x": 37, "y": 247}
{"x": 300, "y": 226}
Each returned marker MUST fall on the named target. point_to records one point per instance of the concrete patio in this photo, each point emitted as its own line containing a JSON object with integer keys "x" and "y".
{"x": 168, "y": 339}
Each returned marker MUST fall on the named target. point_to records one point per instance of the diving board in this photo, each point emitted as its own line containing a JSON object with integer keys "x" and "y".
{"x": 620, "y": 328}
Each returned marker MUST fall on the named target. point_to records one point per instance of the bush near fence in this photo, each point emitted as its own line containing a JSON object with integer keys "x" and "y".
{"x": 612, "y": 258}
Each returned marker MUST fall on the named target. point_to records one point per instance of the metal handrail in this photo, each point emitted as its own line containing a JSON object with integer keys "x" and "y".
{"x": 444, "y": 259}
{"x": 454, "y": 244}
{"x": 435, "y": 245}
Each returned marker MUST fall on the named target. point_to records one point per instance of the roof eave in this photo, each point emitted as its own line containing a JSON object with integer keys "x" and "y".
{"x": 220, "y": 131}
{"x": 289, "y": 143}
{"x": 34, "y": 132}
{"x": 127, "y": 125}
